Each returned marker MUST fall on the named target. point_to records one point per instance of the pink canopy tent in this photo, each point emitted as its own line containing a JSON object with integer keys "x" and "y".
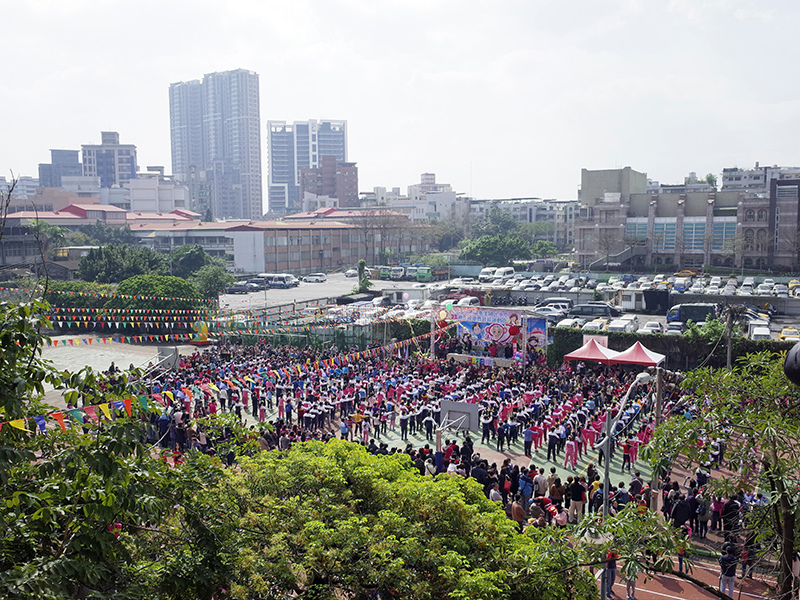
{"x": 638, "y": 355}
{"x": 593, "y": 351}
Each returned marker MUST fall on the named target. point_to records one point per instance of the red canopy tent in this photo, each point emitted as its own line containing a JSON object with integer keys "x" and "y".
{"x": 594, "y": 352}
{"x": 638, "y": 355}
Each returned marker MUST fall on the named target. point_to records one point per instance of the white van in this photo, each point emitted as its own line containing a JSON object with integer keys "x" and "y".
{"x": 760, "y": 333}
{"x": 504, "y": 273}
{"x": 284, "y": 280}
{"x": 486, "y": 274}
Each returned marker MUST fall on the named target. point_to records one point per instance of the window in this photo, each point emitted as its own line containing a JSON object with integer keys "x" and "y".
{"x": 749, "y": 237}
{"x": 762, "y": 215}
{"x": 750, "y": 215}
{"x": 636, "y": 231}
{"x": 761, "y": 240}
{"x": 694, "y": 236}
{"x": 723, "y": 236}
{"x": 664, "y": 237}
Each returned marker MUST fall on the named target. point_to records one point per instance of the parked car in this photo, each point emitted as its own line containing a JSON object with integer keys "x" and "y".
{"x": 549, "y": 311}
{"x": 651, "y": 327}
{"x": 351, "y": 273}
{"x": 239, "y": 288}
{"x": 315, "y": 278}
{"x": 624, "y": 325}
{"x": 570, "y": 323}
{"x": 596, "y": 325}
{"x": 284, "y": 280}
{"x": 469, "y": 301}
{"x": 789, "y": 333}
{"x": 259, "y": 282}
{"x": 780, "y": 290}
{"x": 675, "y": 328}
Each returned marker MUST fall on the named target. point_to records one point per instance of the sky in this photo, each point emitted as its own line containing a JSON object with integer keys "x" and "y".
{"x": 501, "y": 98}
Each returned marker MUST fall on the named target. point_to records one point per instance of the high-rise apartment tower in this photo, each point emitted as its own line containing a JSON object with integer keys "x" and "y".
{"x": 215, "y": 128}
{"x": 297, "y": 146}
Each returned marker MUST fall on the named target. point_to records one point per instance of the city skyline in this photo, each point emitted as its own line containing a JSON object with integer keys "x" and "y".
{"x": 215, "y": 135}
{"x": 511, "y": 102}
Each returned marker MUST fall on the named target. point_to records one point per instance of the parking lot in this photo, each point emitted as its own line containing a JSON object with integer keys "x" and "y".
{"x": 336, "y": 285}
{"x": 533, "y": 290}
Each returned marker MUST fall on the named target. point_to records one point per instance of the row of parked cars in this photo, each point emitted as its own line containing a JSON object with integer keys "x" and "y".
{"x": 273, "y": 280}
{"x": 712, "y": 286}
{"x": 599, "y": 316}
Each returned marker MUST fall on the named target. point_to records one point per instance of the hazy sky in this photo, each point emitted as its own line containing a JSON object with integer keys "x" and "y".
{"x": 499, "y": 98}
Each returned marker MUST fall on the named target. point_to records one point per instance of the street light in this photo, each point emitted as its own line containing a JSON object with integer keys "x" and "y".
{"x": 642, "y": 378}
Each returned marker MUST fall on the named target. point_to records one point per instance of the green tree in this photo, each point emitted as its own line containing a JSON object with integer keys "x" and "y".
{"x": 61, "y": 491}
{"x": 187, "y": 259}
{"x": 496, "y": 250}
{"x": 363, "y": 279}
{"x": 711, "y": 179}
{"x": 445, "y": 235}
{"x": 176, "y": 293}
{"x": 208, "y": 218}
{"x": 49, "y": 236}
{"x": 115, "y": 262}
{"x": 381, "y": 528}
{"x": 211, "y": 280}
{"x": 543, "y": 249}
{"x": 496, "y": 222}
{"x": 760, "y": 409}
{"x": 103, "y": 234}
{"x": 537, "y": 230}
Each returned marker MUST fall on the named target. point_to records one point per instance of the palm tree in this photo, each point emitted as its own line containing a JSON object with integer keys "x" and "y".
{"x": 49, "y": 236}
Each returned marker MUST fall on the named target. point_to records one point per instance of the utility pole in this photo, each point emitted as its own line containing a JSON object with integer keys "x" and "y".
{"x": 729, "y": 332}
{"x": 433, "y": 331}
{"x": 654, "y": 495}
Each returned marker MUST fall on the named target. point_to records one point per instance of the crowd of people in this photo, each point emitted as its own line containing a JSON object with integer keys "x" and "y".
{"x": 538, "y": 417}
{"x": 549, "y": 415}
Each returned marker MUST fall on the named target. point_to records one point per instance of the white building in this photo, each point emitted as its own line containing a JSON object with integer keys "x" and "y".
{"x": 424, "y": 201}
{"x": 24, "y": 188}
{"x": 154, "y": 192}
{"x": 756, "y": 179}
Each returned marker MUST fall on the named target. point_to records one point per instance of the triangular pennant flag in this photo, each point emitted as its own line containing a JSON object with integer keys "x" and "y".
{"x": 90, "y": 410}
{"x": 19, "y": 424}
{"x": 106, "y": 412}
{"x": 40, "y": 421}
{"x": 127, "y": 403}
{"x": 143, "y": 402}
{"x": 59, "y": 416}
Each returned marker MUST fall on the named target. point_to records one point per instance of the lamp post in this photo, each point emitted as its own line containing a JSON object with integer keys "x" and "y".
{"x": 641, "y": 379}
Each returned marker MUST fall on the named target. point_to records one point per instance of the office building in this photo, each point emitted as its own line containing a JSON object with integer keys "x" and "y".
{"x": 63, "y": 163}
{"x": 112, "y": 162}
{"x": 333, "y": 179}
{"x": 750, "y": 225}
{"x": 298, "y": 146}
{"x": 215, "y": 130}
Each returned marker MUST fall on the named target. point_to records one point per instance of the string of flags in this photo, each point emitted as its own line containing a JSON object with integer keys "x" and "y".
{"x": 76, "y": 416}
{"x": 102, "y": 295}
{"x": 134, "y": 311}
{"x": 132, "y": 339}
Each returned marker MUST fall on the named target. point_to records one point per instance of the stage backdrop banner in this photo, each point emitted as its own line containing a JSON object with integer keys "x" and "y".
{"x": 487, "y": 325}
